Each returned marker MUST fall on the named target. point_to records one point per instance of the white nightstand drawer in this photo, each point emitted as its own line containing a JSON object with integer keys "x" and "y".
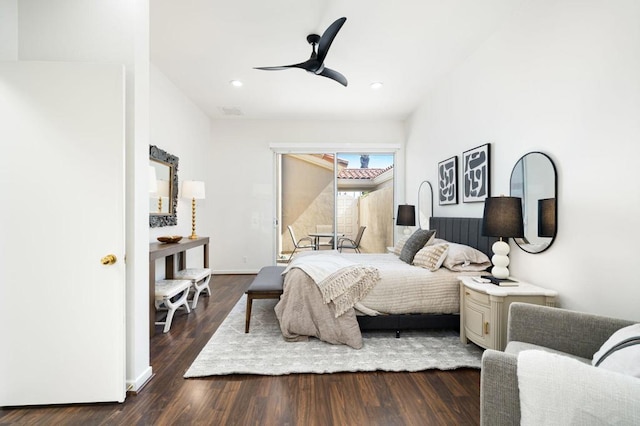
{"x": 477, "y": 297}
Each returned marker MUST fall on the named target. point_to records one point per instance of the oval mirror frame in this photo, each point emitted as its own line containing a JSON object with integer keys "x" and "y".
{"x": 157, "y": 220}
{"x": 534, "y": 179}
{"x": 425, "y": 204}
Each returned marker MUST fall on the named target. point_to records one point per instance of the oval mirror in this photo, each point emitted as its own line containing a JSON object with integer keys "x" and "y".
{"x": 425, "y": 204}
{"x": 534, "y": 179}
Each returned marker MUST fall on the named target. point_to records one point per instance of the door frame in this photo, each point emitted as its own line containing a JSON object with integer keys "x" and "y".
{"x": 348, "y": 148}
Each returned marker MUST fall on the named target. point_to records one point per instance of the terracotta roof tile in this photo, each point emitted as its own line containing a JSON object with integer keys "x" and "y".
{"x": 361, "y": 173}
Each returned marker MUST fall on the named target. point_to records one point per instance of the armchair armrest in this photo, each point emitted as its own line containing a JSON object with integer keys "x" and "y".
{"x": 575, "y": 333}
{"x": 499, "y": 397}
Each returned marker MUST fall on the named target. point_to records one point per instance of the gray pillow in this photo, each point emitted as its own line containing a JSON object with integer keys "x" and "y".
{"x": 419, "y": 239}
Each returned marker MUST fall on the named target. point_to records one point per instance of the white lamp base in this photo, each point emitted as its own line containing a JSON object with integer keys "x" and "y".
{"x": 406, "y": 231}
{"x": 500, "y": 259}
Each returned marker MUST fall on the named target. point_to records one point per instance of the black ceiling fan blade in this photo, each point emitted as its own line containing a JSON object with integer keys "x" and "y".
{"x": 309, "y": 65}
{"x": 327, "y": 38}
{"x": 334, "y": 75}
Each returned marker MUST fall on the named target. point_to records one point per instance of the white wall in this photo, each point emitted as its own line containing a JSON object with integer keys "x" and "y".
{"x": 562, "y": 77}
{"x": 107, "y": 32}
{"x": 8, "y": 30}
{"x": 243, "y": 170}
{"x": 182, "y": 129}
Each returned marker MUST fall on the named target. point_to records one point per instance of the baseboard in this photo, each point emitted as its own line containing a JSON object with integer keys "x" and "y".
{"x": 136, "y": 385}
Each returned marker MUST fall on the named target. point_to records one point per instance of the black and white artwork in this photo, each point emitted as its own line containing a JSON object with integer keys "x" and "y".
{"x": 447, "y": 181}
{"x": 475, "y": 176}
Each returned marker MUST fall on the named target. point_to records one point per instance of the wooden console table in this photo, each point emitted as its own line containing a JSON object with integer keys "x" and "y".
{"x": 168, "y": 251}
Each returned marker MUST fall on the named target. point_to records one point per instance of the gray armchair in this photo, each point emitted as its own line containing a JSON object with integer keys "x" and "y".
{"x": 573, "y": 334}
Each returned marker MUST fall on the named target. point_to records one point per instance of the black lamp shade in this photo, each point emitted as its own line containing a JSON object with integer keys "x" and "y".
{"x": 503, "y": 217}
{"x": 406, "y": 215}
{"x": 547, "y": 217}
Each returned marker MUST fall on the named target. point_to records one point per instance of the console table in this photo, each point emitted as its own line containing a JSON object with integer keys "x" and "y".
{"x": 168, "y": 251}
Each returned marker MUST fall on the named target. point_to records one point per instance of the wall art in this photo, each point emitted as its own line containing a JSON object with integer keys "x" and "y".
{"x": 447, "y": 181}
{"x": 475, "y": 178}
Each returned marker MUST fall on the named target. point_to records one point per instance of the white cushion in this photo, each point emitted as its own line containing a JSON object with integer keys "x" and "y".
{"x": 462, "y": 258}
{"x": 557, "y": 390}
{"x": 624, "y": 358}
{"x": 169, "y": 288}
{"x": 196, "y": 274}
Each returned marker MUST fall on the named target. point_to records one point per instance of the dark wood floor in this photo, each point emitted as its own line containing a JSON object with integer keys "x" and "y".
{"x": 378, "y": 398}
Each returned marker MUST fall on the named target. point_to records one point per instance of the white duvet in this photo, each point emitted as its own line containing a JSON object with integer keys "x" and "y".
{"x": 408, "y": 289}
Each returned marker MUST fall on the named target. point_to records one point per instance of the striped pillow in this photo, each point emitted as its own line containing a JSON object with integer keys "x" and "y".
{"x": 431, "y": 257}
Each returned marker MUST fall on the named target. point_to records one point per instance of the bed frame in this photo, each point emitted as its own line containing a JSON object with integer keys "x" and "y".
{"x": 461, "y": 230}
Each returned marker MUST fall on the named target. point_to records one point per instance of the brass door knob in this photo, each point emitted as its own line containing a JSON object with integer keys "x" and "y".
{"x": 109, "y": 259}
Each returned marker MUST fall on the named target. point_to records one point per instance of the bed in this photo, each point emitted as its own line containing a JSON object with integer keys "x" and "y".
{"x": 389, "y": 294}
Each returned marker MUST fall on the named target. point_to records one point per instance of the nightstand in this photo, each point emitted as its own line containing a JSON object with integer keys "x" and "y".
{"x": 484, "y": 309}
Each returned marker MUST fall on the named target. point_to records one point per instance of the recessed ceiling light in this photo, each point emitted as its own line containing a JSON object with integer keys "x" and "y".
{"x": 236, "y": 83}
{"x": 376, "y": 85}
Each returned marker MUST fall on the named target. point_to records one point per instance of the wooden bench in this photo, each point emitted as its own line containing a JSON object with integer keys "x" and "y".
{"x": 266, "y": 285}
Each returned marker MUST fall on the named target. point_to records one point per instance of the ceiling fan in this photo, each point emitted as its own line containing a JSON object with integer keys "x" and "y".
{"x": 315, "y": 64}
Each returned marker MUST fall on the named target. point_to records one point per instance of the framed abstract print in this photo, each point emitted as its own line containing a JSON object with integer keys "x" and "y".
{"x": 447, "y": 181}
{"x": 475, "y": 177}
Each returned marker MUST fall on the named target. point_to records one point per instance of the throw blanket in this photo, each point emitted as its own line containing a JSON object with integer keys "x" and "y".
{"x": 340, "y": 281}
{"x": 558, "y": 390}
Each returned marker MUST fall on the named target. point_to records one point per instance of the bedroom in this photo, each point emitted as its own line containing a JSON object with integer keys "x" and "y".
{"x": 559, "y": 77}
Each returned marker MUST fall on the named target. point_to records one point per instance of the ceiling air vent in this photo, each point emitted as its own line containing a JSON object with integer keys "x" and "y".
{"x": 231, "y": 110}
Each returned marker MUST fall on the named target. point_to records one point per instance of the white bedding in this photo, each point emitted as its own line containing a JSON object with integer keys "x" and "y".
{"x": 408, "y": 289}
{"x": 404, "y": 288}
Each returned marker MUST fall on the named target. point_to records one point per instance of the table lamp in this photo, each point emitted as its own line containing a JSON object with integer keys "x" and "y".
{"x": 502, "y": 218}
{"x": 195, "y": 190}
{"x": 406, "y": 217}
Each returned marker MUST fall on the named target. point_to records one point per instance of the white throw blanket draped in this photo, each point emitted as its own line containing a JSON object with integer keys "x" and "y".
{"x": 558, "y": 390}
{"x": 340, "y": 281}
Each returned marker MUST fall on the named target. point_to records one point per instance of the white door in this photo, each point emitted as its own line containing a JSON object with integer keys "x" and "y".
{"x": 62, "y": 311}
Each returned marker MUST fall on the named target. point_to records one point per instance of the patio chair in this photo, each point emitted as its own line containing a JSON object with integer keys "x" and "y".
{"x": 299, "y": 244}
{"x": 348, "y": 243}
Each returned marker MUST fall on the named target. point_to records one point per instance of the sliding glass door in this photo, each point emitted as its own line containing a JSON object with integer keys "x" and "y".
{"x": 328, "y": 196}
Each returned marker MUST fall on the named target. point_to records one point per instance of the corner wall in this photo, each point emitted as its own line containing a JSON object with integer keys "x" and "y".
{"x": 562, "y": 78}
{"x": 179, "y": 127}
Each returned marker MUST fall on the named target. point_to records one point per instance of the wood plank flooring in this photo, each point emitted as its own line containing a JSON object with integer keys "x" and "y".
{"x": 377, "y": 398}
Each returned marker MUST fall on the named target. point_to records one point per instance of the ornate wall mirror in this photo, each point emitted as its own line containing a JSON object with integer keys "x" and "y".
{"x": 425, "y": 204}
{"x": 163, "y": 197}
{"x": 534, "y": 179}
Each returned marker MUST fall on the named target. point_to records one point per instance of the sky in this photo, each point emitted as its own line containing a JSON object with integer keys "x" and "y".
{"x": 376, "y": 161}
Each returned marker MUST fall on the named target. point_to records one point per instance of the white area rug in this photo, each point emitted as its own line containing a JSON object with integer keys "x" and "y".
{"x": 264, "y": 351}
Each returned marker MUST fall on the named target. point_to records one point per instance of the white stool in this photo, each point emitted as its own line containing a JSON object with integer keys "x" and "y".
{"x": 165, "y": 290}
{"x": 200, "y": 278}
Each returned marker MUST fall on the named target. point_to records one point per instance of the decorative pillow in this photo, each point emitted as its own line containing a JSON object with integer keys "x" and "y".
{"x": 416, "y": 241}
{"x": 434, "y": 241}
{"x": 461, "y": 258}
{"x": 621, "y": 352}
{"x": 431, "y": 257}
{"x": 397, "y": 249}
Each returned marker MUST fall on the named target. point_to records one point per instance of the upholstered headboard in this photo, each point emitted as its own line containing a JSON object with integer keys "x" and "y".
{"x": 463, "y": 230}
